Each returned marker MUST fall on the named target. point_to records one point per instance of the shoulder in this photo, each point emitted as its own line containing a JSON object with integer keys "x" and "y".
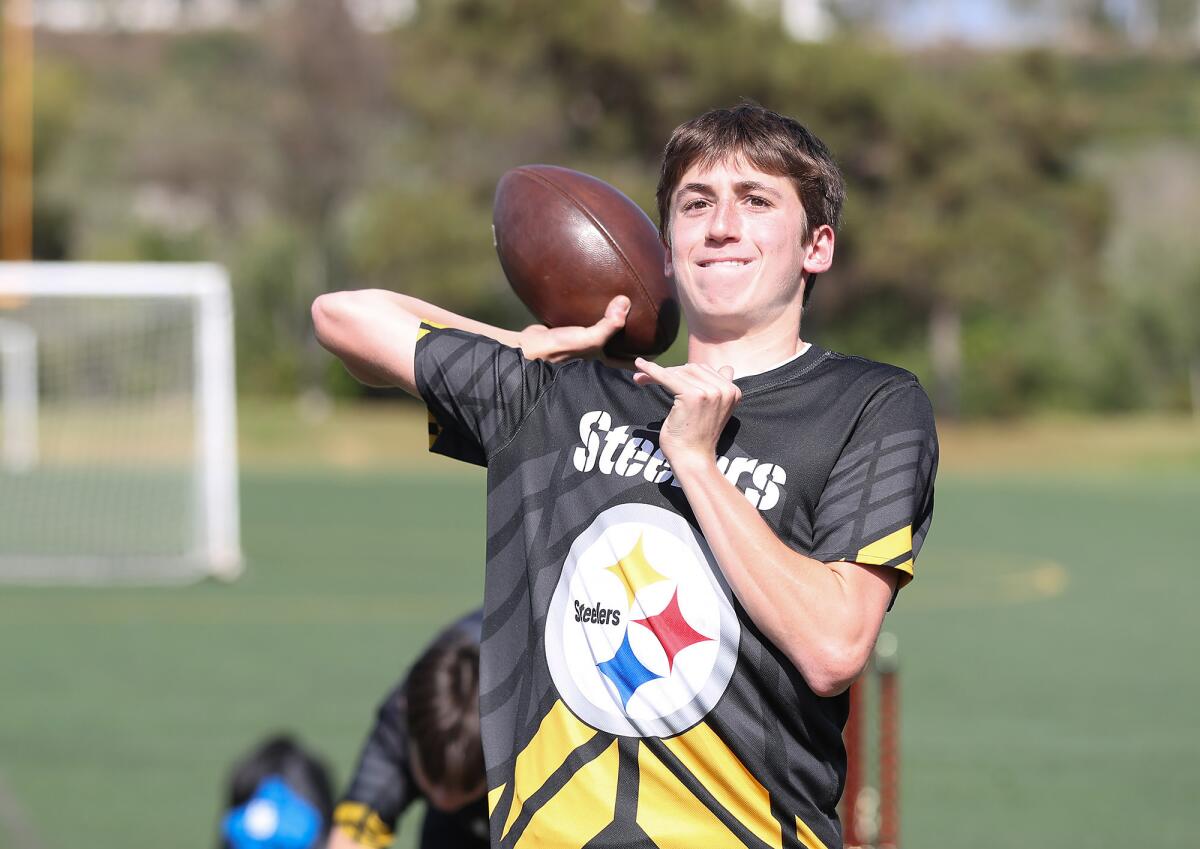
{"x": 590, "y": 374}
{"x": 854, "y": 369}
{"x": 394, "y": 706}
{"x": 877, "y": 394}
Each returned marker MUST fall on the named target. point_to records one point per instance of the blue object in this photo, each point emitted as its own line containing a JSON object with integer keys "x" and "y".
{"x": 275, "y": 817}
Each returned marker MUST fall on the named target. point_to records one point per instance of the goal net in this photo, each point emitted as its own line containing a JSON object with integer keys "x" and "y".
{"x": 117, "y": 432}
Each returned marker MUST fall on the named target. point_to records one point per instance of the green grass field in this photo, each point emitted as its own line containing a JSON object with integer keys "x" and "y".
{"x": 1048, "y": 648}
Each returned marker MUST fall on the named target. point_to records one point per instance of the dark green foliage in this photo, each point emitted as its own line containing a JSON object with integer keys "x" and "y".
{"x": 308, "y": 156}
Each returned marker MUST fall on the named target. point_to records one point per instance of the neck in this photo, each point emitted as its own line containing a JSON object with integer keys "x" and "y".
{"x": 749, "y": 353}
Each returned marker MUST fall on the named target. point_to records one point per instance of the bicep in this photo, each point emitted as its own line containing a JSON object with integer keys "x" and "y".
{"x": 372, "y": 333}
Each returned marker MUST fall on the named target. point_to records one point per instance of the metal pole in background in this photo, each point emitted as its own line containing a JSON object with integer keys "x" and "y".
{"x": 853, "y": 737}
{"x": 16, "y": 132}
{"x": 887, "y": 665}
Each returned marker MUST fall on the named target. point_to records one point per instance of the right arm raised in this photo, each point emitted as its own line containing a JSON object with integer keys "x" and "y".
{"x": 374, "y": 333}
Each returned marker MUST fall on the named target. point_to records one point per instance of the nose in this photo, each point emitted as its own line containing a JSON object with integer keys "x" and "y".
{"x": 723, "y": 224}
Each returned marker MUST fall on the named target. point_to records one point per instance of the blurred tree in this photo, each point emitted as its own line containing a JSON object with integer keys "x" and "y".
{"x": 311, "y": 156}
{"x": 320, "y": 119}
{"x": 964, "y": 199}
{"x": 1153, "y": 263}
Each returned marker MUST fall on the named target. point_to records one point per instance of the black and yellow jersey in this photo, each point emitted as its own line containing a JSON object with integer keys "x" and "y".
{"x": 627, "y": 699}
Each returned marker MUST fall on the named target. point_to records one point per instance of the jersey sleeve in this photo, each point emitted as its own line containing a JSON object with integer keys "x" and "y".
{"x": 878, "y": 502}
{"x": 478, "y": 391}
{"x": 382, "y": 787}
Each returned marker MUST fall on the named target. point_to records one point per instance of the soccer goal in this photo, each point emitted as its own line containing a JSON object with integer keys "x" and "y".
{"x": 118, "y": 458}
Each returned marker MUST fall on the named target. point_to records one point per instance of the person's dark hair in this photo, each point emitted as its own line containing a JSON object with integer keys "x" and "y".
{"x": 280, "y": 755}
{"x": 442, "y": 694}
{"x": 772, "y": 143}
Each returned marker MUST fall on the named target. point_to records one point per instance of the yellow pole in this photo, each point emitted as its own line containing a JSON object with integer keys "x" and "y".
{"x": 16, "y": 132}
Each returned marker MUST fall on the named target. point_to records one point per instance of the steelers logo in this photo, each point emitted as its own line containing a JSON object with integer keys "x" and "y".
{"x": 641, "y": 637}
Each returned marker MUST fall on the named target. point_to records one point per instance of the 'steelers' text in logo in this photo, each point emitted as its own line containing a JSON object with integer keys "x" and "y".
{"x": 641, "y": 637}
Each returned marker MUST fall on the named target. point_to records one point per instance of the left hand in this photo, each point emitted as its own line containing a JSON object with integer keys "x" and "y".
{"x": 559, "y": 344}
{"x": 704, "y": 401}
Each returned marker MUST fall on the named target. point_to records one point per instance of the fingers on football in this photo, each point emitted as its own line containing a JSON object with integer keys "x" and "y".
{"x": 618, "y": 309}
{"x": 598, "y": 334}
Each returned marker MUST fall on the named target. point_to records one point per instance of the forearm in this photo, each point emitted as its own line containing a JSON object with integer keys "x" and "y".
{"x": 813, "y": 611}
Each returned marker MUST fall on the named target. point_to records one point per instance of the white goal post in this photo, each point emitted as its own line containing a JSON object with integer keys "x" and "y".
{"x": 118, "y": 453}
{"x": 18, "y": 401}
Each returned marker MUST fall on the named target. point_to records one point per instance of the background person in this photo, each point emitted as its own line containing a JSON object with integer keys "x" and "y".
{"x": 279, "y": 797}
{"x": 424, "y": 744}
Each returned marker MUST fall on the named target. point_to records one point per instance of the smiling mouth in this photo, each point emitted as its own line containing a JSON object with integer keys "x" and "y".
{"x": 724, "y": 263}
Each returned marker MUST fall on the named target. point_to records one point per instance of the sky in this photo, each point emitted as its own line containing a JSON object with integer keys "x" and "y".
{"x": 983, "y": 22}
{"x": 1002, "y": 22}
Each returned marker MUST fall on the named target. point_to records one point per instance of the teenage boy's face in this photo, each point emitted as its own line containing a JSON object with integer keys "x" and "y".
{"x": 737, "y": 248}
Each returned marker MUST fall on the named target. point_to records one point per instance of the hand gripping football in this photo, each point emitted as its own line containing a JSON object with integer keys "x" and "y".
{"x": 569, "y": 243}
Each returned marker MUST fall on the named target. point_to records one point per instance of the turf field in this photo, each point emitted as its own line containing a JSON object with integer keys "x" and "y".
{"x": 1049, "y": 671}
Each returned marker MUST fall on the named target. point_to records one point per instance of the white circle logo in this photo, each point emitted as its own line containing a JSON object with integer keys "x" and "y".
{"x": 641, "y": 638}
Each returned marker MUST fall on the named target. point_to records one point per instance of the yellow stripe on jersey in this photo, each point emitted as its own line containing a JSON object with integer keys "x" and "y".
{"x": 806, "y": 837}
{"x": 426, "y": 326}
{"x": 888, "y": 548}
{"x": 362, "y": 825}
{"x": 580, "y": 810}
{"x": 435, "y": 427}
{"x": 724, "y": 776}
{"x": 494, "y": 798}
{"x": 669, "y": 814}
{"x": 885, "y": 550}
{"x": 559, "y": 734}
{"x": 675, "y": 819}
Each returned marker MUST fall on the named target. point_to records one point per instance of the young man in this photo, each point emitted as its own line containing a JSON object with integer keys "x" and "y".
{"x": 687, "y": 566}
{"x": 424, "y": 744}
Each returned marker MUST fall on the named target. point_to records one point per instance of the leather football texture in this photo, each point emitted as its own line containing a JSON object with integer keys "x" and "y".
{"x": 569, "y": 243}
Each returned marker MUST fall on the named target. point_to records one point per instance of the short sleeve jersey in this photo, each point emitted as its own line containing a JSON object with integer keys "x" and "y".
{"x": 382, "y": 787}
{"x": 627, "y": 699}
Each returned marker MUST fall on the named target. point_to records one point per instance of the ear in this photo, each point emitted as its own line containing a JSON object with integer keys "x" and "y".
{"x": 818, "y": 255}
{"x": 668, "y": 263}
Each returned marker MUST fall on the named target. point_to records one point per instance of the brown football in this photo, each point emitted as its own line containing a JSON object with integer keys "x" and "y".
{"x": 569, "y": 243}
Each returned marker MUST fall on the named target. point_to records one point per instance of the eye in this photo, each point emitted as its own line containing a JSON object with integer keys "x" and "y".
{"x": 758, "y": 200}
{"x": 694, "y": 203}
